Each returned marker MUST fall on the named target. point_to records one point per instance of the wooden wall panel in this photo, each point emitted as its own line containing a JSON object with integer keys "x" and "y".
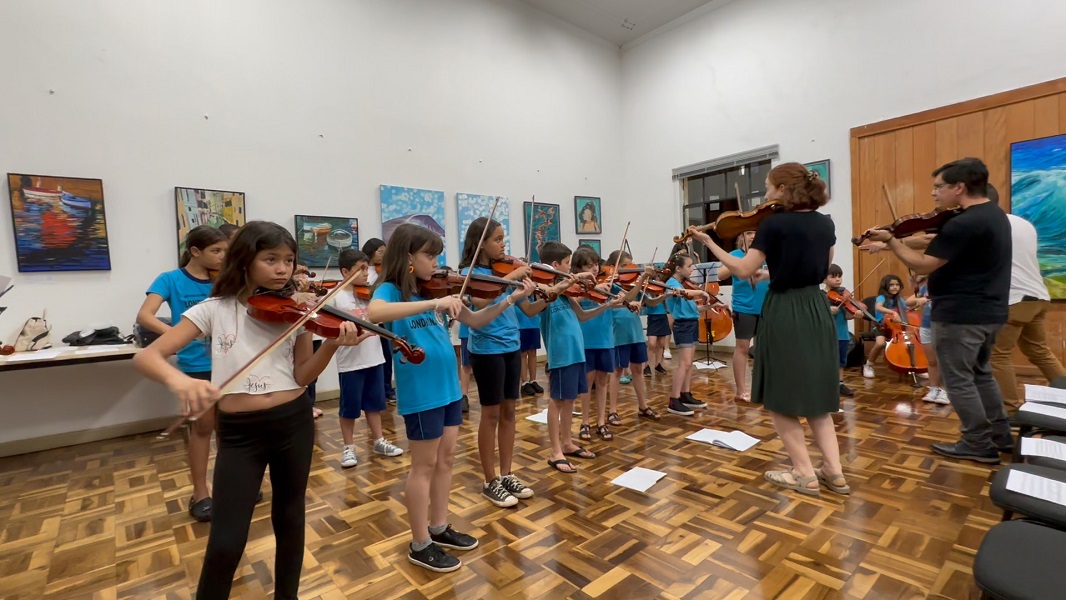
{"x": 901, "y": 153}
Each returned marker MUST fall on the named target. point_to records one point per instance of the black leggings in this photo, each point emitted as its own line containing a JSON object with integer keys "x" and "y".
{"x": 386, "y": 348}
{"x": 282, "y": 437}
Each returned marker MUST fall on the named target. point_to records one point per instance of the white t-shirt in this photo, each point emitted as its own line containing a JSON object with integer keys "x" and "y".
{"x": 368, "y": 353}
{"x": 371, "y": 276}
{"x": 236, "y": 339}
{"x": 1025, "y": 278}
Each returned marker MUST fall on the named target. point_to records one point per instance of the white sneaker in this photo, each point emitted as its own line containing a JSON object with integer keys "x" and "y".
{"x": 386, "y": 448}
{"x": 667, "y": 355}
{"x": 868, "y": 371}
{"x": 348, "y": 458}
{"x": 931, "y": 395}
{"x": 942, "y": 396}
{"x": 923, "y": 375}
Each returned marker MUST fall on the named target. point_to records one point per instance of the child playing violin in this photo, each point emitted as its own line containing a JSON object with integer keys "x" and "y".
{"x": 428, "y": 395}
{"x": 267, "y": 421}
{"x": 630, "y": 350}
{"x": 361, "y": 368}
{"x": 682, "y": 305}
{"x": 834, "y": 281}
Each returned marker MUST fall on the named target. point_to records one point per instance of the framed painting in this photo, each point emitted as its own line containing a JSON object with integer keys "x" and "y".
{"x": 594, "y": 244}
{"x": 543, "y": 221}
{"x": 198, "y": 206}
{"x": 321, "y": 239}
{"x": 470, "y": 207}
{"x": 587, "y": 215}
{"x": 821, "y": 167}
{"x": 59, "y": 223}
{"x": 1038, "y": 195}
{"x": 401, "y": 205}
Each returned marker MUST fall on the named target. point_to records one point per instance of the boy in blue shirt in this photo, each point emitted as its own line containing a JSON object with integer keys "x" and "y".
{"x": 834, "y": 281}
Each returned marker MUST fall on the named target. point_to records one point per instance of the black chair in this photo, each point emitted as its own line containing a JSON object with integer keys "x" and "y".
{"x": 1019, "y": 560}
{"x": 1012, "y": 502}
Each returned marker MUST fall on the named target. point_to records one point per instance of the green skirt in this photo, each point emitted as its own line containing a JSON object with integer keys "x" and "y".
{"x": 796, "y": 355}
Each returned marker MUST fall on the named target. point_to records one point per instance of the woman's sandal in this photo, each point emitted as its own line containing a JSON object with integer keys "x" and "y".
{"x": 830, "y": 481}
{"x": 648, "y": 413}
{"x": 604, "y": 433}
{"x": 580, "y": 452}
{"x": 779, "y": 478}
{"x": 614, "y": 420}
{"x": 556, "y": 464}
{"x": 585, "y": 433}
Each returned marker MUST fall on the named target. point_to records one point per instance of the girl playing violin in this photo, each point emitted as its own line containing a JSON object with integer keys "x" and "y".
{"x": 683, "y": 307}
{"x": 497, "y": 365}
{"x": 748, "y": 296}
{"x": 181, "y": 289}
{"x": 921, "y": 302}
{"x": 267, "y": 421}
{"x": 889, "y": 303}
{"x": 428, "y": 394}
{"x": 629, "y": 347}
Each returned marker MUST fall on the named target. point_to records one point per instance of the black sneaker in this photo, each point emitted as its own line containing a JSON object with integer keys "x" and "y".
{"x": 498, "y": 495}
{"x": 527, "y": 390}
{"x": 659, "y": 369}
{"x": 450, "y": 538}
{"x": 434, "y": 558}
{"x": 690, "y": 402}
{"x": 963, "y": 451}
{"x": 647, "y": 371}
{"x": 846, "y": 391}
{"x": 201, "y": 509}
{"x": 466, "y": 404}
{"x": 536, "y": 387}
{"x": 678, "y": 408}
{"x": 516, "y": 487}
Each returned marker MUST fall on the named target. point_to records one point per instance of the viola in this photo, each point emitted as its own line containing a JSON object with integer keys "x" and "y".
{"x": 732, "y": 223}
{"x": 326, "y": 322}
{"x": 911, "y": 224}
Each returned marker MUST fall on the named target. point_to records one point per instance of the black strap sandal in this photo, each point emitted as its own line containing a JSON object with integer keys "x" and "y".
{"x": 604, "y": 433}
{"x": 614, "y": 420}
{"x": 648, "y": 413}
{"x": 585, "y": 433}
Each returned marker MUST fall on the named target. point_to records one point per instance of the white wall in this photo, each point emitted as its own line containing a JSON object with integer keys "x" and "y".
{"x": 311, "y": 106}
{"x": 802, "y": 73}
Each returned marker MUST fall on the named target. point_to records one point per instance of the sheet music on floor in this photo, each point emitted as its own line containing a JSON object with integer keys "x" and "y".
{"x": 1043, "y": 409}
{"x": 541, "y": 417}
{"x": 1045, "y": 448}
{"x": 733, "y": 440}
{"x": 703, "y": 366}
{"x": 1043, "y": 393}
{"x": 1038, "y": 487}
{"x": 638, "y": 478}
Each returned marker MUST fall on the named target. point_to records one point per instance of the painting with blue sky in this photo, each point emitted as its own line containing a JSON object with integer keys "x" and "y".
{"x": 401, "y": 205}
{"x": 1038, "y": 195}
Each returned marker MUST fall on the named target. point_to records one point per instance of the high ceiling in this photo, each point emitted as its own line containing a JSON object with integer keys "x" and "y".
{"x": 622, "y": 21}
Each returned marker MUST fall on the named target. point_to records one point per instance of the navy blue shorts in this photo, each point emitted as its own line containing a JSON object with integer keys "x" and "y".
{"x": 658, "y": 325}
{"x": 686, "y": 332}
{"x": 430, "y": 424}
{"x": 362, "y": 391}
{"x": 843, "y": 347}
{"x": 529, "y": 339}
{"x": 628, "y": 354}
{"x": 599, "y": 359}
{"x": 464, "y": 352}
{"x": 567, "y": 383}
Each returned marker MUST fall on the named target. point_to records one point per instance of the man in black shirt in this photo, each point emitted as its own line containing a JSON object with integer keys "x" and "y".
{"x": 969, "y": 268}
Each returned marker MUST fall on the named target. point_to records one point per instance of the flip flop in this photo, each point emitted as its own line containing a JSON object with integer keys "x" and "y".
{"x": 580, "y": 453}
{"x": 555, "y": 464}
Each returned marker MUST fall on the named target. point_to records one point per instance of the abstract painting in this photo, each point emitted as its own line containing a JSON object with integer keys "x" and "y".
{"x": 543, "y": 221}
{"x": 594, "y": 244}
{"x": 469, "y": 207}
{"x": 321, "y": 239}
{"x": 821, "y": 167}
{"x": 1038, "y": 195}
{"x": 197, "y": 206}
{"x": 59, "y": 223}
{"x": 401, "y": 205}
{"x": 587, "y": 215}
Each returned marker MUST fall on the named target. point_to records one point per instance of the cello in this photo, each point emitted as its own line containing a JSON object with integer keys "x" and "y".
{"x": 903, "y": 353}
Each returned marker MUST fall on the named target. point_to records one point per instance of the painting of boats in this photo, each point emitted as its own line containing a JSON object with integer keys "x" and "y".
{"x": 200, "y": 206}
{"x": 321, "y": 239}
{"x": 60, "y": 223}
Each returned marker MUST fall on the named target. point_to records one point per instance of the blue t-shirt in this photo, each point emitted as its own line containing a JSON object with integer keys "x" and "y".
{"x": 658, "y": 309}
{"x": 562, "y": 334}
{"x": 927, "y": 310}
{"x": 598, "y": 331}
{"x": 841, "y": 321}
{"x": 682, "y": 308}
{"x": 746, "y": 299}
{"x": 500, "y": 335}
{"x": 181, "y": 292}
{"x": 524, "y": 321}
{"x": 627, "y": 326}
{"x": 435, "y": 382}
{"x": 889, "y": 303}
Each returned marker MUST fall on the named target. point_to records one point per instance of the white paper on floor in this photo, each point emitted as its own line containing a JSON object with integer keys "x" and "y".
{"x": 638, "y": 478}
{"x": 541, "y": 417}
{"x": 713, "y": 366}
{"x": 733, "y": 440}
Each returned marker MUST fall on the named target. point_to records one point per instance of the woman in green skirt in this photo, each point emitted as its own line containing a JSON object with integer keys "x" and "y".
{"x": 795, "y": 372}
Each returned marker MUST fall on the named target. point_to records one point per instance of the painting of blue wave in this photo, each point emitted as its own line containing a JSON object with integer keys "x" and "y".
{"x": 469, "y": 207}
{"x": 1038, "y": 195}
{"x": 401, "y": 205}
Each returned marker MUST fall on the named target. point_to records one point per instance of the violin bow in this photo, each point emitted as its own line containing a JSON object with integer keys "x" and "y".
{"x": 740, "y": 207}
{"x": 644, "y": 290}
{"x": 477, "y": 251}
{"x": 529, "y": 232}
{"x": 621, "y": 249}
{"x": 888, "y": 200}
{"x": 246, "y": 369}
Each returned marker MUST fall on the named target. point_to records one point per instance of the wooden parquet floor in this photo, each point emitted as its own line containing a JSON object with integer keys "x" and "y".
{"x": 109, "y": 520}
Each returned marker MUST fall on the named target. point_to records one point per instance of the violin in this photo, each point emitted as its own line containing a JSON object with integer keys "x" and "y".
{"x": 539, "y": 272}
{"x": 842, "y": 297}
{"x": 271, "y": 308}
{"x": 446, "y": 283}
{"x": 732, "y": 223}
{"x": 908, "y": 225}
